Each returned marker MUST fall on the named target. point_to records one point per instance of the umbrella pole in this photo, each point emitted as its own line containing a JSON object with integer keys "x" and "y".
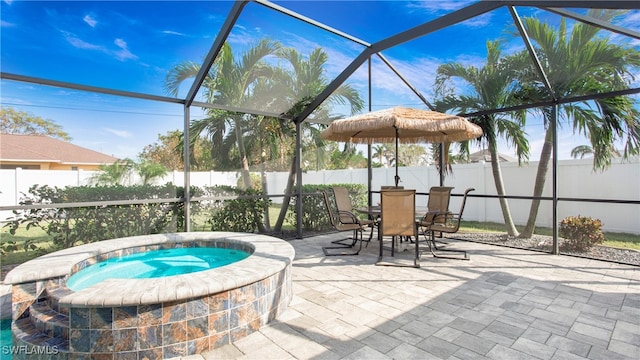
{"x": 396, "y": 178}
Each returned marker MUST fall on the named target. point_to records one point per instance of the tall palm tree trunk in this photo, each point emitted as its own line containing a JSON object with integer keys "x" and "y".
{"x": 287, "y": 198}
{"x": 244, "y": 171}
{"x": 543, "y": 168}
{"x": 265, "y": 190}
{"x": 496, "y": 169}
{"x": 246, "y": 178}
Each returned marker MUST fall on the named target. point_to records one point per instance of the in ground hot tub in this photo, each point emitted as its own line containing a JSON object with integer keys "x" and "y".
{"x": 151, "y": 318}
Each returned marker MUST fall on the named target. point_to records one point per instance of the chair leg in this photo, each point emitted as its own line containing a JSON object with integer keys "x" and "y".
{"x": 433, "y": 248}
{"x": 344, "y": 242}
{"x": 393, "y": 243}
{"x": 380, "y": 243}
{"x": 343, "y": 247}
{"x": 370, "y": 234}
{"x": 394, "y": 239}
{"x": 416, "y": 261}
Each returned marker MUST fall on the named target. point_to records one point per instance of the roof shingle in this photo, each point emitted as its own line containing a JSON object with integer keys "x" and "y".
{"x": 16, "y": 147}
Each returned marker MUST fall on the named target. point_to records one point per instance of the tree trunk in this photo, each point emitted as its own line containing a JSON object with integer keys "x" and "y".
{"x": 497, "y": 179}
{"x": 541, "y": 176}
{"x": 246, "y": 177}
{"x": 265, "y": 192}
{"x": 244, "y": 171}
{"x": 287, "y": 198}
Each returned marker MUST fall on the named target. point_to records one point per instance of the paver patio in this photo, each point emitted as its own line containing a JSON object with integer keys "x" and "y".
{"x": 502, "y": 304}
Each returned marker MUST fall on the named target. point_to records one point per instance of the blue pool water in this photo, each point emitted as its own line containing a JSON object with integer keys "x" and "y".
{"x": 157, "y": 263}
{"x": 5, "y": 339}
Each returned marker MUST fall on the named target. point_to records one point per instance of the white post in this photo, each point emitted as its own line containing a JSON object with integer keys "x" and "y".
{"x": 17, "y": 181}
{"x": 484, "y": 188}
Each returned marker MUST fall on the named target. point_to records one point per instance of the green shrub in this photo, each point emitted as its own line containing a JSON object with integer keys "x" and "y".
{"x": 256, "y": 181}
{"x": 11, "y": 246}
{"x": 240, "y": 213}
{"x": 581, "y": 233}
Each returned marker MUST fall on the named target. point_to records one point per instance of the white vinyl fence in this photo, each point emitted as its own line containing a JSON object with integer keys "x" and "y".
{"x": 576, "y": 180}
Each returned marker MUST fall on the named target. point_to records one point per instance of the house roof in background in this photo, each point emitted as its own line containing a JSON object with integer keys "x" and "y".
{"x": 40, "y": 148}
{"x": 485, "y": 155}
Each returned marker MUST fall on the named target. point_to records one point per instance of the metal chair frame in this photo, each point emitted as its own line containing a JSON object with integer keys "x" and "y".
{"x": 441, "y": 220}
{"x": 345, "y": 220}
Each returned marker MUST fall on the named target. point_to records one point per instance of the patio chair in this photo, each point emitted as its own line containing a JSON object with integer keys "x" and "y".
{"x": 397, "y": 219}
{"x": 343, "y": 219}
{"x": 439, "y": 219}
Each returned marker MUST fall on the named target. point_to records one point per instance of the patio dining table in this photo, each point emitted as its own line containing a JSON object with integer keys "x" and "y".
{"x": 375, "y": 212}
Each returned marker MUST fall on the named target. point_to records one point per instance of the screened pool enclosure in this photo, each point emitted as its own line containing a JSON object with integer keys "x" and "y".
{"x": 234, "y": 95}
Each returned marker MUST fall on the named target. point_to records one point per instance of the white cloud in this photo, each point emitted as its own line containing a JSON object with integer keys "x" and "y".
{"x": 90, "y": 20}
{"x": 119, "y": 133}
{"x": 631, "y": 20}
{"x": 123, "y": 53}
{"x": 81, "y": 44}
{"x": 439, "y": 6}
{"x": 387, "y": 86}
{"x": 386, "y": 83}
{"x": 6, "y": 24}
{"x": 240, "y": 38}
{"x": 340, "y": 55}
{"x": 385, "y": 78}
{"x": 170, "y": 32}
{"x": 478, "y": 21}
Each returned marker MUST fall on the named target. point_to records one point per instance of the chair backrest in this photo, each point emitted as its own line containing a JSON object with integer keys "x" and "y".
{"x": 457, "y": 219}
{"x": 390, "y": 187}
{"x": 398, "y": 212}
{"x": 439, "y": 198}
{"x": 343, "y": 203}
{"x": 327, "y": 202}
{"x": 349, "y": 224}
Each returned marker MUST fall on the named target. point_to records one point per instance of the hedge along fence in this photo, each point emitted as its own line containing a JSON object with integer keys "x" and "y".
{"x": 244, "y": 213}
{"x": 73, "y": 226}
{"x": 239, "y": 211}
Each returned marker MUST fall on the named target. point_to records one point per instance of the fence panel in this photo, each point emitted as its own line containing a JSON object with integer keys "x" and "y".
{"x": 576, "y": 179}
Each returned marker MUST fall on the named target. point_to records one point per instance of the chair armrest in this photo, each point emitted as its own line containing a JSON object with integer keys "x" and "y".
{"x": 431, "y": 216}
{"x": 351, "y": 218}
{"x": 451, "y": 225}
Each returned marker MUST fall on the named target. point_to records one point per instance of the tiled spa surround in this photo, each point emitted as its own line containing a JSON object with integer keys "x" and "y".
{"x": 150, "y": 318}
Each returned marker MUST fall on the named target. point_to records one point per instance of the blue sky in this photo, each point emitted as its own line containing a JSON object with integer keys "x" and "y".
{"x": 132, "y": 45}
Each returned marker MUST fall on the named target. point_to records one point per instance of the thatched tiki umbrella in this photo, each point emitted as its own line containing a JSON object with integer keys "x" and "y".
{"x": 404, "y": 125}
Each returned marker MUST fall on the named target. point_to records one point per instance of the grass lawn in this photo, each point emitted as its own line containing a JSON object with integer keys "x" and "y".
{"x": 34, "y": 236}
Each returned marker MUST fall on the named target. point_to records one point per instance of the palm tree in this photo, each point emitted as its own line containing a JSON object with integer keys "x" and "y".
{"x": 381, "y": 151}
{"x": 577, "y": 62}
{"x": 114, "y": 174}
{"x": 149, "y": 171}
{"x": 303, "y": 82}
{"x": 230, "y": 82}
{"x": 491, "y": 89}
{"x": 581, "y": 151}
{"x": 251, "y": 81}
{"x": 412, "y": 155}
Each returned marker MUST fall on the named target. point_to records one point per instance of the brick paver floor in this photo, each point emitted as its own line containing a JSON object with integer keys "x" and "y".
{"x": 502, "y": 304}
